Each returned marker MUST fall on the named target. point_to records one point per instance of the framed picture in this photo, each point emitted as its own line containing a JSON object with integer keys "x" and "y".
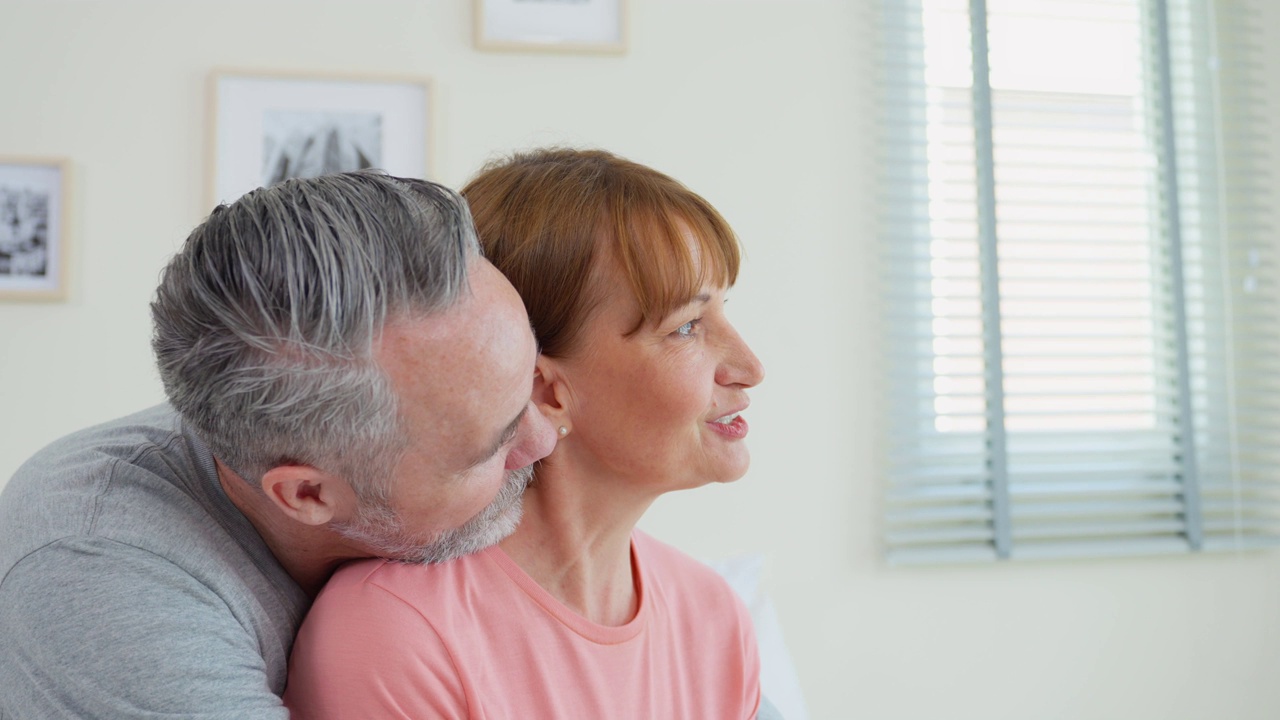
{"x": 268, "y": 128}
{"x": 33, "y": 228}
{"x": 554, "y": 25}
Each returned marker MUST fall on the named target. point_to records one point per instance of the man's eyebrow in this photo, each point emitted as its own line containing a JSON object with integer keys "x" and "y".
{"x": 504, "y": 437}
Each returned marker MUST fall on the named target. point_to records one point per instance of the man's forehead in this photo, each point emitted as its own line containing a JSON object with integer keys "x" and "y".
{"x": 464, "y": 375}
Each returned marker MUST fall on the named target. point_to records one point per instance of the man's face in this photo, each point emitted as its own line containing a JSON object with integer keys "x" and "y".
{"x": 464, "y": 379}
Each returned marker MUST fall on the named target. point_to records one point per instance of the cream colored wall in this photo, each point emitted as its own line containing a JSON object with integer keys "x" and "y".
{"x": 762, "y": 106}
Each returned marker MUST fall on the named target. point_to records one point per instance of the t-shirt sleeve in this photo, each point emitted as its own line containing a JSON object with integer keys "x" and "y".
{"x": 363, "y": 651}
{"x": 93, "y": 628}
{"x": 750, "y": 655}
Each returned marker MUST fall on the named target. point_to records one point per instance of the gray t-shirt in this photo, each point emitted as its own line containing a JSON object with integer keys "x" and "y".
{"x": 131, "y": 587}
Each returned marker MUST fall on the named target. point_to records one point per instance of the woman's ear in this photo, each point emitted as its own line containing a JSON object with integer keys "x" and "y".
{"x": 550, "y": 391}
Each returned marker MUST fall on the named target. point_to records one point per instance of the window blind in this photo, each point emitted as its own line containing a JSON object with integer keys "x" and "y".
{"x": 1080, "y": 316}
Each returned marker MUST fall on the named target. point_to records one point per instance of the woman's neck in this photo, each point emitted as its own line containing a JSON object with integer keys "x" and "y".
{"x": 575, "y": 541}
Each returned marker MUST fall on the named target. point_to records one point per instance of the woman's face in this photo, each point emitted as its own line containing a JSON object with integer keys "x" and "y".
{"x": 661, "y": 406}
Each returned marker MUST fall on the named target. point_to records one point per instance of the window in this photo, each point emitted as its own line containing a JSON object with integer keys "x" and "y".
{"x": 1081, "y": 298}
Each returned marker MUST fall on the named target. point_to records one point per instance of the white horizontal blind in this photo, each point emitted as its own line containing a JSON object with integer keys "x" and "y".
{"x": 1058, "y": 215}
{"x": 1239, "y": 428}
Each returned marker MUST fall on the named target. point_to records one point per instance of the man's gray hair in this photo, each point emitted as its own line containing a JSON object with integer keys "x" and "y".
{"x": 265, "y": 321}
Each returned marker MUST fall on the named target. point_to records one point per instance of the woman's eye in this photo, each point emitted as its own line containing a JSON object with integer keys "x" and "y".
{"x": 688, "y": 329}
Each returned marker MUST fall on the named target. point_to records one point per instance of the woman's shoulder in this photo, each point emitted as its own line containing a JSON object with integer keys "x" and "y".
{"x": 415, "y": 584}
{"x": 647, "y": 547}
{"x": 701, "y": 618}
{"x": 675, "y": 574}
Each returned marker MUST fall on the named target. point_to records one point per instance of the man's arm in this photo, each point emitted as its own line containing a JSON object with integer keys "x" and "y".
{"x": 92, "y": 628}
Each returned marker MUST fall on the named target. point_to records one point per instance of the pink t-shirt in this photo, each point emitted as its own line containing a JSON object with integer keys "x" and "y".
{"x": 478, "y": 638}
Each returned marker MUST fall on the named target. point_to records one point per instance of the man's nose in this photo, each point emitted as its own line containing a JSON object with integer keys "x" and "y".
{"x": 536, "y": 439}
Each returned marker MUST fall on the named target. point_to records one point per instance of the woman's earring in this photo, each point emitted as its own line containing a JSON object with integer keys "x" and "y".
{"x": 563, "y": 431}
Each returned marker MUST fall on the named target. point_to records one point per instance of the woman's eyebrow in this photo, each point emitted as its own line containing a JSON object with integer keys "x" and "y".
{"x": 699, "y": 299}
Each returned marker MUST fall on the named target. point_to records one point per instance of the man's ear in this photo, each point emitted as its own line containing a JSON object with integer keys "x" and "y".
{"x": 305, "y": 494}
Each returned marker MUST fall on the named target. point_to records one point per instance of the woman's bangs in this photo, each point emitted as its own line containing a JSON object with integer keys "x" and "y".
{"x": 659, "y": 259}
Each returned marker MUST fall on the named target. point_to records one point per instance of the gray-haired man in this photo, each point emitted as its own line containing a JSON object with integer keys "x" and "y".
{"x": 347, "y": 377}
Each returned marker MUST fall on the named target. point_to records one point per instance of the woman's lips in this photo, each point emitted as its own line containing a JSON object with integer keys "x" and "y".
{"x": 735, "y": 428}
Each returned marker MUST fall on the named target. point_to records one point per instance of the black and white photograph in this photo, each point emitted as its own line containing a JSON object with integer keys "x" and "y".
{"x": 32, "y": 241}
{"x": 267, "y": 128}
{"x": 305, "y": 144}
{"x": 589, "y": 26}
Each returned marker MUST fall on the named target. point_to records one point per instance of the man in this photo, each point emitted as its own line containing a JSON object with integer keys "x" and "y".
{"x": 346, "y": 377}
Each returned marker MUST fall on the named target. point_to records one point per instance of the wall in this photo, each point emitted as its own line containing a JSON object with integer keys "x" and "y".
{"x": 764, "y": 107}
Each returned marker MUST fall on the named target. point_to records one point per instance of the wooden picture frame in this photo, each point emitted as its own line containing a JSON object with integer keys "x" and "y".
{"x": 265, "y": 127}
{"x": 584, "y": 26}
{"x": 35, "y": 212}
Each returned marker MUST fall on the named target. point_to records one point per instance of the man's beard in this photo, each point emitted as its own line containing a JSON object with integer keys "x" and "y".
{"x": 378, "y": 527}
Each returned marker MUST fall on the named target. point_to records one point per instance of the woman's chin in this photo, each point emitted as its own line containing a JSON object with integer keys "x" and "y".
{"x": 732, "y": 470}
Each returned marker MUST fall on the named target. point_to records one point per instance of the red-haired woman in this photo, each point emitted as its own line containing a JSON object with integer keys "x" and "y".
{"x": 577, "y": 614}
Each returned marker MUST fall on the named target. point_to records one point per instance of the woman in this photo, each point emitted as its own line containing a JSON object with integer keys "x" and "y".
{"x": 577, "y": 614}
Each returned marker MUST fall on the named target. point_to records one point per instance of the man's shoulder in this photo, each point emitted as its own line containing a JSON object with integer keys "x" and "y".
{"x": 89, "y": 452}
{"x": 124, "y": 630}
{"x": 138, "y": 475}
{"x": 118, "y": 541}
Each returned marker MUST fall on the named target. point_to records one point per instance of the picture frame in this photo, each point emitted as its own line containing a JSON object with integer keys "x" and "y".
{"x": 585, "y": 26}
{"x": 34, "y": 221}
{"x": 266, "y": 127}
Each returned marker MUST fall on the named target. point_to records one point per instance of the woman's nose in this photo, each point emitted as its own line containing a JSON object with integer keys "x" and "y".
{"x": 740, "y": 365}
